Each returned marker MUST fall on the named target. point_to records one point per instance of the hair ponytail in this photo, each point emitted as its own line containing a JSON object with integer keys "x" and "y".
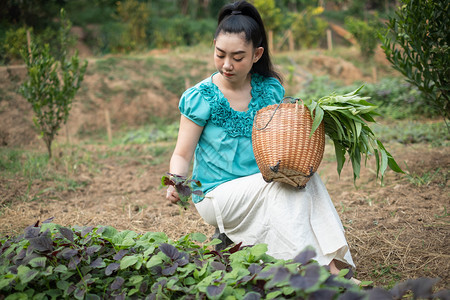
{"x": 243, "y": 17}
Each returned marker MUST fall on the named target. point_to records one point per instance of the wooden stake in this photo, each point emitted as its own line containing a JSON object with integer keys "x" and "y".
{"x": 374, "y": 74}
{"x": 291, "y": 40}
{"x": 108, "y": 125}
{"x": 67, "y": 134}
{"x": 29, "y": 44}
{"x": 283, "y": 39}
{"x": 270, "y": 41}
{"x": 329, "y": 40}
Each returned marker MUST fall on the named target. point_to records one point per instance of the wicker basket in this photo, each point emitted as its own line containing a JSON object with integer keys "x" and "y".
{"x": 282, "y": 145}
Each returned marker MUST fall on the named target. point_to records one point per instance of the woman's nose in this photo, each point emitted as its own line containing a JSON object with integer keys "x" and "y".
{"x": 228, "y": 65}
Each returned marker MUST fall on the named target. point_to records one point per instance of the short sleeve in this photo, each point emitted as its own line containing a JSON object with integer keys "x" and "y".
{"x": 194, "y": 106}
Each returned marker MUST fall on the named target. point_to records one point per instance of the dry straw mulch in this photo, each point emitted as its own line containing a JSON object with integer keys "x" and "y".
{"x": 396, "y": 231}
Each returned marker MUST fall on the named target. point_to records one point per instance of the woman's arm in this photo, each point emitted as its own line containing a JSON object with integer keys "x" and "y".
{"x": 188, "y": 136}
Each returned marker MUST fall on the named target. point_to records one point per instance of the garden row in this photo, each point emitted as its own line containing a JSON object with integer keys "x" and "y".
{"x": 49, "y": 261}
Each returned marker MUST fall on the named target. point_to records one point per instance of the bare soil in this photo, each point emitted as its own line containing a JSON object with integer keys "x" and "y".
{"x": 396, "y": 230}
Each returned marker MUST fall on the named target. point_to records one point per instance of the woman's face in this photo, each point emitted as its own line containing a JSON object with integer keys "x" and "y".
{"x": 234, "y": 57}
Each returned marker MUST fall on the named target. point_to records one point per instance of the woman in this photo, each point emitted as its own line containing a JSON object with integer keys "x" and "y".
{"x": 216, "y": 125}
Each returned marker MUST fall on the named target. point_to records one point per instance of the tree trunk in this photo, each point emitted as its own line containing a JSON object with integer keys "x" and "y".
{"x": 48, "y": 143}
{"x": 184, "y": 7}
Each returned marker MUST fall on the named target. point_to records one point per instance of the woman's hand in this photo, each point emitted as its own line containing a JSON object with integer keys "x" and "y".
{"x": 172, "y": 194}
{"x": 188, "y": 136}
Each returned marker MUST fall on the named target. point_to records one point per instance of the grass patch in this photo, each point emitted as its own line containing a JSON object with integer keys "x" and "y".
{"x": 387, "y": 274}
{"x": 27, "y": 164}
{"x": 426, "y": 177}
{"x": 149, "y": 145}
{"x": 33, "y": 166}
{"x": 148, "y": 134}
{"x": 436, "y": 134}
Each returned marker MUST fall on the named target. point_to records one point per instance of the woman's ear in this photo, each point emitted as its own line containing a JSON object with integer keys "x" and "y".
{"x": 257, "y": 54}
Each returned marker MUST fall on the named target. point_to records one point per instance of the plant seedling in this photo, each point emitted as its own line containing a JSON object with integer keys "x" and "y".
{"x": 183, "y": 186}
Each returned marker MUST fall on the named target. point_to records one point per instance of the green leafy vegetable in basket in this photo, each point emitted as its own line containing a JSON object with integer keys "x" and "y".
{"x": 345, "y": 118}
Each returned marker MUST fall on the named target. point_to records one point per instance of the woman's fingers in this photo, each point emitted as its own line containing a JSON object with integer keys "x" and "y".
{"x": 172, "y": 195}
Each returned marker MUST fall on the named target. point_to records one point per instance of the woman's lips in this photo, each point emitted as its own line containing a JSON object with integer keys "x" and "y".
{"x": 227, "y": 74}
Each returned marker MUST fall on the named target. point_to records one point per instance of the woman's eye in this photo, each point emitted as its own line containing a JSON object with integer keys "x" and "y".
{"x": 238, "y": 59}
{"x": 220, "y": 56}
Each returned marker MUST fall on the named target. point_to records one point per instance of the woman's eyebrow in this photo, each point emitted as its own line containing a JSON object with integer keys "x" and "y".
{"x": 236, "y": 52}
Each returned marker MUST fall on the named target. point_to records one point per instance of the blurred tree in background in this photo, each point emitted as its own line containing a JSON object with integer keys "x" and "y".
{"x": 308, "y": 28}
{"x": 365, "y": 32}
{"x": 110, "y": 26}
{"x": 270, "y": 14}
{"x": 417, "y": 46}
{"x": 135, "y": 17}
{"x": 52, "y": 83}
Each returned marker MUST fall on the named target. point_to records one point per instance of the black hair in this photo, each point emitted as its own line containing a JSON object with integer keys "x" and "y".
{"x": 243, "y": 17}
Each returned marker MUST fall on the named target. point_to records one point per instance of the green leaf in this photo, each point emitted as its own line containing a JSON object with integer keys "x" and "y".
{"x": 109, "y": 232}
{"x": 38, "y": 262}
{"x": 391, "y": 161}
{"x": 213, "y": 242}
{"x": 61, "y": 269}
{"x": 356, "y": 163}
{"x": 156, "y": 237}
{"x": 124, "y": 238}
{"x": 343, "y": 272}
{"x": 135, "y": 280}
{"x": 128, "y": 261}
{"x": 377, "y": 160}
{"x": 26, "y": 274}
{"x": 17, "y": 296}
{"x": 358, "y": 130}
{"x": 273, "y": 295}
{"x": 155, "y": 260}
{"x": 339, "y": 150}
{"x": 150, "y": 250}
{"x": 258, "y": 250}
{"x": 62, "y": 285}
{"x": 384, "y": 159}
{"x": 4, "y": 282}
{"x": 189, "y": 281}
{"x": 199, "y": 237}
{"x": 318, "y": 117}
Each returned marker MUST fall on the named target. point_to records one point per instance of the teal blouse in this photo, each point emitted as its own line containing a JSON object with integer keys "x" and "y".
{"x": 224, "y": 151}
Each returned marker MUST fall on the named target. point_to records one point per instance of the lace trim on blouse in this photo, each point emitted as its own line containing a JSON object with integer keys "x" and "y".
{"x": 236, "y": 123}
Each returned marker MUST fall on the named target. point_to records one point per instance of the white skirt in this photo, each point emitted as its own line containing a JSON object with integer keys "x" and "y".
{"x": 252, "y": 211}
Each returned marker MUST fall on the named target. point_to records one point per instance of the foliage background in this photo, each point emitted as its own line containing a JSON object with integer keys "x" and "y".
{"x": 128, "y": 25}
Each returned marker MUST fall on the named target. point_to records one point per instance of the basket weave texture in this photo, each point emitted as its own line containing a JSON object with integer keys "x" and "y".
{"x": 282, "y": 145}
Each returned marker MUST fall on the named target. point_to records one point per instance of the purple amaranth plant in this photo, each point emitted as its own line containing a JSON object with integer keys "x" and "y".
{"x": 184, "y": 187}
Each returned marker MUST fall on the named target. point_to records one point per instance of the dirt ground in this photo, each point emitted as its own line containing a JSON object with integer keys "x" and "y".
{"x": 396, "y": 231}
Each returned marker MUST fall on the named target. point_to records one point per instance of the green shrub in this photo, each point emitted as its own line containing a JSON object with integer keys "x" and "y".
{"x": 308, "y": 28}
{"x": 270, "y": 14}
{"x": 51, "y": 84}
{"x": 110, "y": 38}
{"x": 365, "y": 32}
{"x": 15, "y": 42}
{"x": 179, "y": 31}
{"x": 417, "y": 46}
{"x": 135, "y": 15}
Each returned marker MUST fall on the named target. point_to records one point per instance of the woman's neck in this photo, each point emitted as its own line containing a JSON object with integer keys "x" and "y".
{"x": 238, "y": 94}
{"x": 230, "y": 85}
